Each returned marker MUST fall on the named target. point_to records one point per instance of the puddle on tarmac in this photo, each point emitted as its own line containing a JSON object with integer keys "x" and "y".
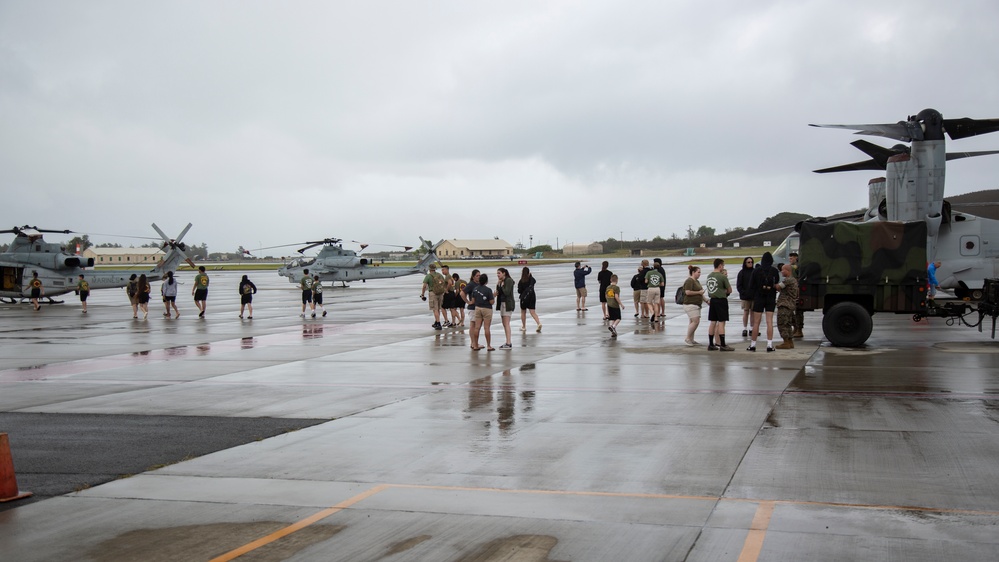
{"x": 518, "y": 548}
{"x": 403, "y": 546}
{"x": 203, "y": 542}
{"x": 968, "y": 347}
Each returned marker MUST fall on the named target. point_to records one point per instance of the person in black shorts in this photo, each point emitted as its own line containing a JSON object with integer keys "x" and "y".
{"x": 763, "y": 285}
{"x": 37, "y": 290}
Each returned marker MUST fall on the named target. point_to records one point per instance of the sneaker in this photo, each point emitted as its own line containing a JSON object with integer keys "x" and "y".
{"x": 539, "y": 329}
{"x": 506, "y": 346}
{"x": 712, "y": 347}
{"x": 248, "y": 317}
{"x": 653, "y": 319}
{"x": 769, "y": 349}
{"x": 695, "y": 342}
{"x": 437, "y": 325}
{"x": 324, "y": 314}
{"x": 313, "y": 314}
{"x": 726, "y": 348}
{"x": 751, "y": 348}
{"x": 302, "y": 315}
{"x": 240, "y": 317}
{"x": 745, "y": 333}
{"x": 689, "y": 343}
{"x": 202, "y": 315}
{"x": 610, "y": 329}
{"x": 636, "y": 316}
{"x": 523, "y": 328}
{"x": 613, "y": 331}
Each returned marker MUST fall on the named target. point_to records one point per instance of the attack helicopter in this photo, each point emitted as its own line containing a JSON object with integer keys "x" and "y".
{"x": 59, "y": 270}
{"x": 913, "y": 190}
{"x": 334, "y": 263}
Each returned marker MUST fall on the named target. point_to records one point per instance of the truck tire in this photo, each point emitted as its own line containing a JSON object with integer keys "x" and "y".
{"x": 847, "y": 324}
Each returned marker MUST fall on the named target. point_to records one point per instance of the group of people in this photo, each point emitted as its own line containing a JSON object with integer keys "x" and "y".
{"x": 762, "y": 289}
{"x": 449, "y": 295}
{"x": 312, "y": 293}
{"x": 138, "y": 290}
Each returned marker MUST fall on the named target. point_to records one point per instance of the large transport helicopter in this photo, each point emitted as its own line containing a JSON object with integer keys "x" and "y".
{"x": 851, "y": 270}
{"x": 59, "y": 270}
{"x": 334, "y": 263}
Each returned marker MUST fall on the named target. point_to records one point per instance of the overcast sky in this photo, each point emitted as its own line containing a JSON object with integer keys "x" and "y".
{"x": 268, "y": 123}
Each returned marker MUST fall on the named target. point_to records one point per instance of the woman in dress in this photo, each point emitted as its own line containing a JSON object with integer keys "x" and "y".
{"x": 528, "y": 299}
{"x": 142, "y": 295}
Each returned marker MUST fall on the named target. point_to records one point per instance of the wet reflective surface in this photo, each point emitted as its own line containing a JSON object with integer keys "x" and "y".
{"x": 570, "y": 446}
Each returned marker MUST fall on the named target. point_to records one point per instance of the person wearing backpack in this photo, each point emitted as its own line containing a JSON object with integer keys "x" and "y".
{"x": 763, "y": 285}
{"x": 438, "y": 286}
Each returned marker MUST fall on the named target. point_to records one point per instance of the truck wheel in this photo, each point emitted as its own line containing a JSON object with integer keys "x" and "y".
{"x": 847, "y": 324}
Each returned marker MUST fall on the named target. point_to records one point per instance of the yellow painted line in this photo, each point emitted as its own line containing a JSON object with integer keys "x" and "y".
{"x": 757, "y": 532}
{"x": 750, "y": 550}
{"x": 232, "y": 554}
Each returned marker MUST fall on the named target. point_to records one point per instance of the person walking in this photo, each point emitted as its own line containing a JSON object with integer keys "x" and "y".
{"x": 764, "y": 289}
{"x": 37, "y": 290}
{"x": 657, "y": 264}
{"x": 168, "y": 289}
{"x": 743, "y": 283}
{"x": 654, "y": 281}
{"x": 528, "y": 299}
{"x": 718, "y": 288}
{"x": 505, "y": 303}
{"x": 306, "y": 285}
{"x": 437, "y": 285}
{"x": 786, "y": 303}
{"x": 603, "y": 280}
{"x": 246, "y": 291}
{"x": 142, "y": 295}
{"x": 692, "y": 301}
{"x": 200, "y": 291}
{"x": 458, "y": 304}
{"x": 317, "y": 295}
{"x": 83, "y": 289}
{"x": 931, "y": 273}
{"x": 614, "y": 305}
{"x": 132, "y": 290}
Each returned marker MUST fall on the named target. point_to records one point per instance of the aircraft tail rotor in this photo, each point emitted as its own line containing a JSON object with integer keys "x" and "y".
{"x": 174, "y": 246}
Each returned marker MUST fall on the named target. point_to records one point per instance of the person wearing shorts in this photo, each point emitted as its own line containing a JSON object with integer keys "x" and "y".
{"x": 306, "y": 284}
{"x": 579, "y": 282}
{"x": 246, "y": 291}
{"x": 657, "y": 264}
{"x": 466, "y": 294}
{"x": 719, "y": 288}
{"x": 317, "y": 295}
{"x": 37, "y": 290}
{"x": 645, "y": 269}
{"x": 743, "y": 287}
{"x": 169, "y": 291}
{"x": 654, "y": 281}
{"x": 484, "y": 300}
{"x": 636, "y": 291}
{"x": 693, "y": 299}
{"x": 200, "y": 291}
{"x": 614, "y": 305}
{"x": 764, "y": 288}
{"x": 83, "y": 288}
{"x": 435, "y": 298}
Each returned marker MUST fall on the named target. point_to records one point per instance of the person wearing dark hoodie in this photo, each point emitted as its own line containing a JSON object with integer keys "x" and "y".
{"x": 764, "y": 288}
{"x": 742, "y": 285}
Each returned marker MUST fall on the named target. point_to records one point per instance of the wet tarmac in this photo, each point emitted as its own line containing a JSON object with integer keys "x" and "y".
{"x": 570, "y": 446}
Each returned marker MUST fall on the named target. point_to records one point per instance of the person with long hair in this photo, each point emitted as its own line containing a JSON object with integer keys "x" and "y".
{"x": 169, "y": 291}
{"x": 142, "y": 295}
{"x": 246, "y": 292}
{"x": 743, "y": 284}
{"x": 528, "y": 299}
{"x": 692, "y": 301}
{"x": 505, "y": 303}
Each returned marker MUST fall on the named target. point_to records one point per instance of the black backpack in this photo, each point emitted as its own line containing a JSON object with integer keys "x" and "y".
{"x": 680, "y": 294}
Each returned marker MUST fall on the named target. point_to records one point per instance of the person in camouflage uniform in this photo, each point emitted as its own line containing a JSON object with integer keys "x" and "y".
{"x": 788, "y": 288}
{"x": 799, "y": 315}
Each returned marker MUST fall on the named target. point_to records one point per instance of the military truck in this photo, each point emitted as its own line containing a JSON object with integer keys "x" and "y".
{"x": 850, "y": 271}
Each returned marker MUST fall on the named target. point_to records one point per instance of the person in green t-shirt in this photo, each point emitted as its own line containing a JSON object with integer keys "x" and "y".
{"x": 83, "y": 289}
{"x": 654, "y": 279}
{"x": 200, "y": 291}
{"x": 718, "y": 288}
{"x": 306, "y": 284}
{"x": 614, "y": 305}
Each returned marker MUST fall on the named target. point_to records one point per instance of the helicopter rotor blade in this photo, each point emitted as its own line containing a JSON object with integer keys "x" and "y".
{"x": 183, "y": 233}
{"x": 161, "y": 233}
{"x": 966, "y": 127}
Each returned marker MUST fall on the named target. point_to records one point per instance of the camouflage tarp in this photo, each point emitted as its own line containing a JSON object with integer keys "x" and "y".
{"x": 880, "y": 264}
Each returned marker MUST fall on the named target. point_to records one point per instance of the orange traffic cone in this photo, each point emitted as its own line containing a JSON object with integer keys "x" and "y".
{"x": 8, "y": 482}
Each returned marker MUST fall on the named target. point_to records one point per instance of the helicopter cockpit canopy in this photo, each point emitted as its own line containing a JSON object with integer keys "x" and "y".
{"x": 302, "y": 262}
